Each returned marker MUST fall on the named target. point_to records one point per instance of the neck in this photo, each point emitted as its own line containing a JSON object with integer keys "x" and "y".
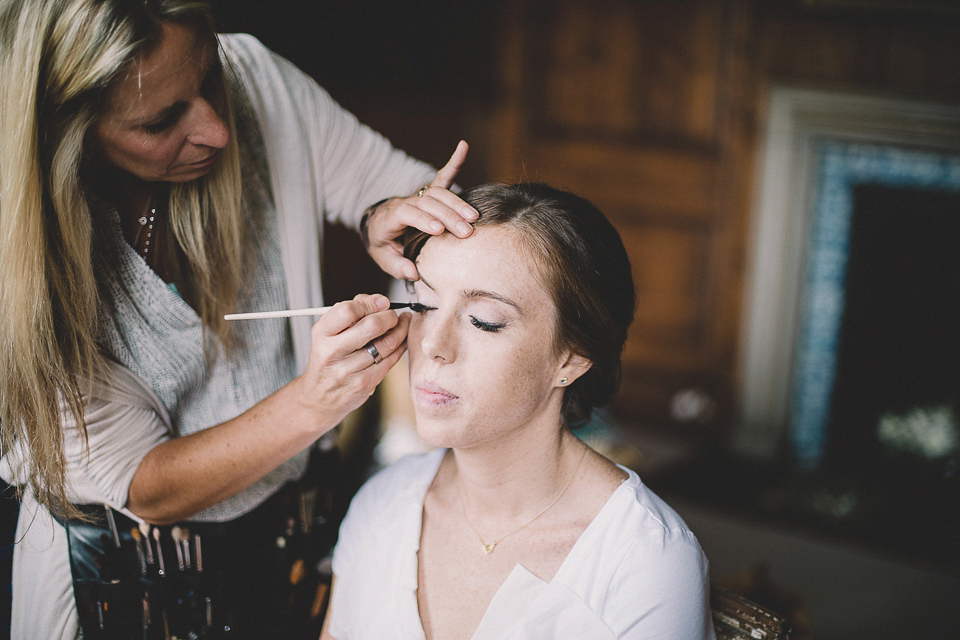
{"x": 515, "y": 478}
{"x": 129, "y": 194}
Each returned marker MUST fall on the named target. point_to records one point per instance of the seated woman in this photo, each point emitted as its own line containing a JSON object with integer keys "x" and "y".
{"x": 515, "y": 528}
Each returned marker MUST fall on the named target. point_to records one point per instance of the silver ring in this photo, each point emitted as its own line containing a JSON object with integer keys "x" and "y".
{"x": 372, "y": 350}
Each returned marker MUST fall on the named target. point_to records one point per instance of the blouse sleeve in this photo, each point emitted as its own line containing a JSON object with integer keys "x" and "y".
{"x": 662, "y": 593}
{"x": 354, "y": 535}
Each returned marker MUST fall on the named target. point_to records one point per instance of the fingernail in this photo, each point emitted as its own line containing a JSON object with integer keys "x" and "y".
{"x": 463, "y": 228}
{"x": 436, "y": 225}
{"x": 382, "y": 303}
{"x": 409, "y": 272}
{"x": 470, "y": 213}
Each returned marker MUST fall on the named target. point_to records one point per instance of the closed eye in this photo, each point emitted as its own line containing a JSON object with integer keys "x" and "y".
{"x": 492, "y": 327}
{"x": 168, "y": 120}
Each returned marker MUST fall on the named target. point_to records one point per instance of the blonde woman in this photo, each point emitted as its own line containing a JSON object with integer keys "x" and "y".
{"x": 153, "y": 177}
{"x": 513, "y": 529}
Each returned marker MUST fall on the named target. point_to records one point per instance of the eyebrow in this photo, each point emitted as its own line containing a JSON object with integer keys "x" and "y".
{"x": 162, "y": 114}
{"x": 481, "y": 293}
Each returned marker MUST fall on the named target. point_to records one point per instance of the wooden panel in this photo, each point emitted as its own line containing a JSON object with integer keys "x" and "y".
{"x": 622, "y": 67}
{"x": 590, "y": 67}
{"x": 914, "y": 53}
{"x": 616, "y": 177}
{"x": 668, "y": 274}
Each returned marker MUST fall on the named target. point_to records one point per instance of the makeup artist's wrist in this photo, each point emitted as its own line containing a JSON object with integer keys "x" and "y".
{"x": 365, "y": 218}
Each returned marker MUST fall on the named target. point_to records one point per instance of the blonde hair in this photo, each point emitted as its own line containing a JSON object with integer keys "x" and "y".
{"x": 57, "y": 59}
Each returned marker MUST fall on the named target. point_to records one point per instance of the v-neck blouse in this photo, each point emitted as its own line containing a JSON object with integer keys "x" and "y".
{"x": 636, "y": 571}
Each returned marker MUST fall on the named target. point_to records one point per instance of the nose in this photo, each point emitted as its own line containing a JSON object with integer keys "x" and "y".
{"x": 209, "y": 129}
{"x": 437, "y": 335}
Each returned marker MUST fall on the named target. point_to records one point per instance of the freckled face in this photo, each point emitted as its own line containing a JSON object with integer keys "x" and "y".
{"x": 162, "y": 118}
{"x": 482, "y": 357}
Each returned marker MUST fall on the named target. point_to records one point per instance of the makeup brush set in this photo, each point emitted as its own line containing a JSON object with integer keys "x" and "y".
{"x": 135, "y": 580}
{"x": 138, "y": 581}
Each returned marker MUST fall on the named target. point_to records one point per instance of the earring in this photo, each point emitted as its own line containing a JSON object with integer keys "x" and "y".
{"x": 563, "y": 380}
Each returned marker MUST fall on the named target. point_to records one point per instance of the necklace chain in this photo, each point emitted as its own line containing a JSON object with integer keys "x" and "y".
{"x": 147, "y": 225}
{"x": 489, "y": 548}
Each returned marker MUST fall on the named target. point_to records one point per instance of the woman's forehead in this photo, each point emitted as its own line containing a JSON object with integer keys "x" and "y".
{"x": 154, "y": 79}
{"x": 493, "y": 259}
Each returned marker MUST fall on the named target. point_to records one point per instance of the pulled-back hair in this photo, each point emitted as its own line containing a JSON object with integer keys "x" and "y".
{"x": 583, "y": 265}
{"x": 58, "y": 59}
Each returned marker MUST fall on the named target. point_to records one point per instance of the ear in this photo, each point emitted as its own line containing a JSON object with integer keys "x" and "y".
{"x": 573, "y": 367}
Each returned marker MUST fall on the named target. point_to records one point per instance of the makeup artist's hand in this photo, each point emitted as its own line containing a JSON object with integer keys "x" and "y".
{"x": 342, "y": 371}
{"x": 434, "y": 209}
{"x": 183, "y": 475}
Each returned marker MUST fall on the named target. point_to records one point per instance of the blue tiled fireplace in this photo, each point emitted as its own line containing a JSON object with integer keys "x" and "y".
{"x": 850, "y": 176}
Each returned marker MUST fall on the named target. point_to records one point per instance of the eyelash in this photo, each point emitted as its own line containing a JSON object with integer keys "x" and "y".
{"x": 162, "y": 125}
{"x": 206, "y": 89}
{"x": 491, "y": 327}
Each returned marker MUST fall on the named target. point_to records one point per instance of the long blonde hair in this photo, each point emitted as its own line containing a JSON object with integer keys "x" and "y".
{"x": 57, "y": 59}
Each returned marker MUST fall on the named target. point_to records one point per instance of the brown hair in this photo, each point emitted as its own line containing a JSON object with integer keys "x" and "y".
{"x": 584, "y": 266}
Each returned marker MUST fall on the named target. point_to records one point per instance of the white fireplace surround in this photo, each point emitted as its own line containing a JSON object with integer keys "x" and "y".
{"x": 797, "y": 119}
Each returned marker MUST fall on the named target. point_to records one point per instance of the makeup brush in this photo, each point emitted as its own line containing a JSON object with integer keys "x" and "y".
{"x": 175, "y": 534}
{"x": 135, "y": 532}
{"x": 196, "y": 543}
{"x": 145, "y": 532}
{"x": 146, "y": 617}
{"x": 313, "y": 311}
{"x": 113, "y": 525}
{"x": 185, "y": 541}
{"x": 156, "y": 536}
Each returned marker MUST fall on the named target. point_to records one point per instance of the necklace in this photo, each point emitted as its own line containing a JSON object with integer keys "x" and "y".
{"x": 488, "y": 548}
{"x": 146, "y": 225}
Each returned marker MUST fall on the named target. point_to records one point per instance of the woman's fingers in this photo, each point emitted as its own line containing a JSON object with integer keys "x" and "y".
{"x": 363, "y": 330}
{"x": 448, "y": 173}
{"x": 346, "y": 314}
{"x": 343, "y": 370}
{"x": 433, "y": 209}
{"x": 388, "y": 348}
{"x": 396, "y": 265}
{"x": 436, "y": 211}
{"x": 433, "y": 212}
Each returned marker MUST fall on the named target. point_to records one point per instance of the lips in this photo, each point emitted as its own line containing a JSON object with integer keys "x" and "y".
{"x": 432, "y": 395}
{"x": 202, "y": 163}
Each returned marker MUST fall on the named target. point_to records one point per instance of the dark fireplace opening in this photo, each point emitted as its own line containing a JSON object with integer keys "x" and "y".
{"x": 899, "y": 345}
{"x": 896, "y": 396}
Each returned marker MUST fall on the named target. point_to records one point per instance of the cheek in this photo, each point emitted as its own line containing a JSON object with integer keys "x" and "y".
{"x": 414, "y": 338}
{"x": 522, "y": 373}
{"x": 135, "y": 150}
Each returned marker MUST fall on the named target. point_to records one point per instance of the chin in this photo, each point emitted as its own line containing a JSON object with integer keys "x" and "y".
{"x": 440, "y": 432}
{"x": 432, "y": 433}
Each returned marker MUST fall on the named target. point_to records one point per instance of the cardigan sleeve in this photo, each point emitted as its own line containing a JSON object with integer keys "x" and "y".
{"x": 323, "y": 164}
{"x": 124, "y": 421}
{"x": 351, "y": 165}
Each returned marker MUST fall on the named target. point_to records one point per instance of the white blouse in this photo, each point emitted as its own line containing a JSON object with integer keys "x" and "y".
{"x": 636, "y": 572}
